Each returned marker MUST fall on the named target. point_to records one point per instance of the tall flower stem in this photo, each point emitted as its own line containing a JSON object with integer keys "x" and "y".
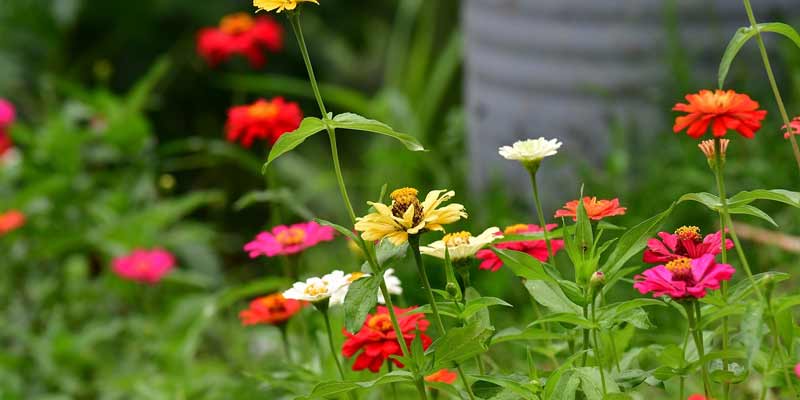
{"x": 285, "y": 340}
{"x": 294, "y": 20}
{"x": 698, "y": 341}
{"x": 413, "y": 241}
{"x": 597, "y": 354}
{"x": 773, "y": 84}
{"x": 718, "y": 164}
{"x": 323, "y": 308}
{"x": 540, "y": 214}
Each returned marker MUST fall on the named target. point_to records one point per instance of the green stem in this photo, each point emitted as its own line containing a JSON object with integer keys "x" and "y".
{"x": 542, "y": 222}
{"x": 285, "y": 339}
{"x": 294, "y": 19}
{"x": 718, "y": 164}
{"x": 585, "y": 336}
{"x": 419, "y": 382}
{"x": 331, "y": 344}
{"x": 778, "y": 343}
{"x": 773, "y": 84}
{"x": 413, "y": 241}
{"x": 682, "y": 396}
{"x": 698, "y": 341}
{"x": 597, "y": 355}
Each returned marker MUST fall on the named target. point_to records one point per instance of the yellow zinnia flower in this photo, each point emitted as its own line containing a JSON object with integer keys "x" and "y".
{"x": 279, "y": 5}
{"x": 407, "y": 216}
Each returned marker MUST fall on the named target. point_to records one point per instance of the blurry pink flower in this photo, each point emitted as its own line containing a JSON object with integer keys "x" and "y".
{"x": 7, "y": 113}
{"x": 684, "y": 277}
{"x": 797, "y": 370}
{"x": 536, "y": 248}
{"x": 285, "y": 240}
{"x": 685, "y": 242}
{"x": 147, "y": 266}
{"x": 792, "y": 128}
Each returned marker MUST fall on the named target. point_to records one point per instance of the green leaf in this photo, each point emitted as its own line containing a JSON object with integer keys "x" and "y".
{"x": 779, "y": 195}
{"x": 707, "y": 199}
{"x": 523, "y": 265}
{"x": 325, "y": 389}
{"x": 566, "y": 318}
{"x": 551, "y": 296}
{"x": 592, "y": 384}
{"x": 750, "y": 210}
{"x": 359, "y": 123}
{"x": 517, "y": 384}
{"x": 743, "y": 288}
{"x": 361, "y": 298}
{"x": 741, "y": 37}
{"x": 633, "y": 241}
{"x": 515, "y": 334}
{"x": 287, "y": 142}
{"x": 481, "y": 303}
{"x": 281, "y": 196}
{"x": 459, "y": 344}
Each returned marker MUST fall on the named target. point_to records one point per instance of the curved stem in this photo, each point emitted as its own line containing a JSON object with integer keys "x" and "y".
{"x": 413, "y": 241}
{"x": 691, "y": 308}
{"x": 718, "y": 163}
{"x": 542, "y": 222}
{"x": 773, "y": 84}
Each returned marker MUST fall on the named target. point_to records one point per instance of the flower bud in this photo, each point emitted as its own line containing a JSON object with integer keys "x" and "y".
{"x": 598, "y": 279}
{"x": 452, "y": 289}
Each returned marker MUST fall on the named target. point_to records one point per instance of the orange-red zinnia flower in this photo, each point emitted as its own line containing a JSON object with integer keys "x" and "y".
{"x": 595, "y": 209}
{"x": 794, "y": 127}
{"x": 378, "y": 340}
{"x": 273, "y": 309}
{"x": 265, "y": 119}
{"x": 11, "y": 220}
{"x": 442, "y": 375}
{"x": 240, "y": 34}
{"x": 722, "y": 110}
{"x": 698, "y": 397}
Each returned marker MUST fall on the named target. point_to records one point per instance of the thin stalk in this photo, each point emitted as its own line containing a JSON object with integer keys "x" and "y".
{"x": 597, "y": 355}
{"x": 393, "y": 386}
{"x": 328, "y": 329}
{"x": 420, "y": 384}
{"x": 718, "y": 160}
{"x": 423, "y": 395}
{"x": 542, "y": 222}
{"x": 585, "y": 336}
{"x": 285, "y": 339}
{"x": 682, "y": 395}
{"x": 698, "y": 341}
{"x": 413, "y": 241}
{"x": 773, "y": 84}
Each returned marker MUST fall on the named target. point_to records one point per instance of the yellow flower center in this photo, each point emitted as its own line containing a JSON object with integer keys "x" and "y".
{"x": 355, "y": 276}
{"x": 688, "y": 233}
{"x": 235, "y": 24}
{"x": 380, "y": 323}
{"x": 403, "y": 199}
{"x": 291, "y": 237}
{"x": 680, "y": 268}
{"x": 456, "y": 239}
{"x": 316, "y": 289}
{"x": 514, "y": 229}
{"x": 274, "y": 303}
{"x": 263, "y": 109}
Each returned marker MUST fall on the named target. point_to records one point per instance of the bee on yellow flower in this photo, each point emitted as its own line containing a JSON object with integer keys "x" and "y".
{"x": 406, "y": 215}
{"x": 279, "y": 5}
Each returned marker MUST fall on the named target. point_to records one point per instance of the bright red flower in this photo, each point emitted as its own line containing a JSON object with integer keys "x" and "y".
{"x": 698, "y": 397}
{"x": 11, "y": 220}
{"x": 240, "y": 34}
{"x": 265, "y": 119}
{"x": 378, "y": 340}
{"x": 442, "y": 375}
{"x": 536, "y": 248}
{"x": 273, "y": 309}
{"x": 795, "y": 125}
{"x": 683, "y": 278}
{"x": 595, "y": 209}
{"x": 722, "y": 110}
{"x": 686, "y": 242}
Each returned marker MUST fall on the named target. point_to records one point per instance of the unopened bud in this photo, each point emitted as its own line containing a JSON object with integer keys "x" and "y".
{"x": 452, "y": 289}
{"x": 598, "y": 279}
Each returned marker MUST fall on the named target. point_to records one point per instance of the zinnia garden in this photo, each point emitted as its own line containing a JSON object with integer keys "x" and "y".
{"x": 276, "y": 200}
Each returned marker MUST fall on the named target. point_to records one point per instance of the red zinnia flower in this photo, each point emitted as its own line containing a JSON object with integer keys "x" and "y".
{"x": 378, "y": 340}
{"x": 273, "y": 309}
{"x": 794, "y": 127}
{"x": 442, "y": 375}
{"x": 536, "y": 248}
{"x": 698, "y": 397}
{"x": 595, "y": 209}
{"x": 240, "y": 34}
{"x": 264, "y": 119}
{"x": 11, "y": 220}
{"x": 683, "y": 278}
{"x": 687, "y": 242}
{"x": 722, "y": 110}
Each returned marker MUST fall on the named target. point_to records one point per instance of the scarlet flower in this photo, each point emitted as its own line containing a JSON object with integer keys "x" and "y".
{"x": 686, "y": 242}
{"x": 595, "y": 209}
{"x": 11, "y": 220}
{"x": 722, "y": 110}
{"x": 240, "y": 34}
{"x": 264, "y": 119}
{"x": 698, "y": 397}
{"x": 442, "y": 375}
{"x": 147, "y": 266}
{"x": 536, "y": 248}
{"x": 378, "y": 340}
{"x": 795, "y": 128}
{"x": 684, "y": 277}
{"x": 285, "y": 240}
{"x": 273, "y": 309}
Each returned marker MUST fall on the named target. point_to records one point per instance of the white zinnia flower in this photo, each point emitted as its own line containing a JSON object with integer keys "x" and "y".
{"x": 461, "y": 245}
{"x": 317, "y": 289}
{"x": 531, "y": 150}
{"x": 392, "y": 284}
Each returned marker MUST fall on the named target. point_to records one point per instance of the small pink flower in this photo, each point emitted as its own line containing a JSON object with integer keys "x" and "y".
{"x": 684, "y": 277}
{"x": 686, "y": 242}
{"x": 147, "y": 266}
{"x": 7, "y": 113}
{"x": 536, "y": 248}
{"x": 285, "y": 240}
{"x": 797, "y": 370}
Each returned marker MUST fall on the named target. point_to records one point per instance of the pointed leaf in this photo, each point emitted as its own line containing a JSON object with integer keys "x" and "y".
{"x": 741, "y": 37}
{"x": 361, "y": 298}
{"x": 359, "y": 123}
{"x": 287, "y": 142}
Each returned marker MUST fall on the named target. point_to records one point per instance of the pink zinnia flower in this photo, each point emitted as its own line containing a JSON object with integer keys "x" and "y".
{"x": 285, "y": 240}
{"x": 147, "y": 266}
{"x": 684, "y": 277}
{"x": 797, "y": 370}
{"x": 7, "y": 117}
{"x": 536, "y": 248}
{"x": 794, "y": 127}
{"x": 685, "y": 242}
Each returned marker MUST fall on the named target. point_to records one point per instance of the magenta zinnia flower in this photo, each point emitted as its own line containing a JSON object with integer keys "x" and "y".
{"x": 285, "y": 240}
{"x": 684, "y": 277}
{"x": 686, "y": 242}
{"x": 147, "y": 266}
{"x": 536, "y": 248}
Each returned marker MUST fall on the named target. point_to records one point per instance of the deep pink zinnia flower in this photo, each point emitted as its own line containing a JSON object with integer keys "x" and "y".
{"x": 685, "y": 242}
{"x": 285, "y": 240}
{"x": 684, "y": 277}
{"x": 7, "y": 117}
{"x": 147, "y": 266}
{"x": 797, "y": 370}
{"x": 536, "y": 248}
